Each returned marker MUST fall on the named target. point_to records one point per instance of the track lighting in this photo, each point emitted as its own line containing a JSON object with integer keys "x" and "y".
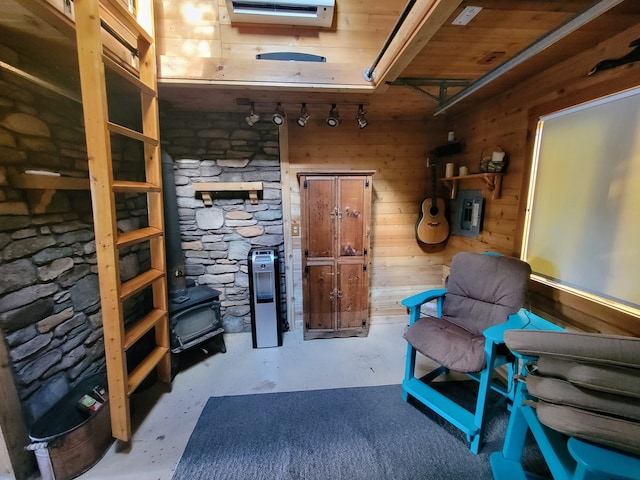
{"x": 278, "y": 115}
{"x": 304, "y": 116}
{"x": 253, "y": 117}
{"x": 361, "y": 119}
{"x": 333, "y": 120}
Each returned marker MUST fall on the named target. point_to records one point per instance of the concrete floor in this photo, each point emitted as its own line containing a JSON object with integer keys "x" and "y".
{"x": 164, "y": 417}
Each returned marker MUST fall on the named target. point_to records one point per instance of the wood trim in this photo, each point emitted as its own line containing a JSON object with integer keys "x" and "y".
{"x": 287, "y": 221}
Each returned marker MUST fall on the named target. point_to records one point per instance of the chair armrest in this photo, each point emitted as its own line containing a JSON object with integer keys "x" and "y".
{"x": 414, "y": 302}
{"x": 523, "y": 319}
{"x": 423, "y": 297}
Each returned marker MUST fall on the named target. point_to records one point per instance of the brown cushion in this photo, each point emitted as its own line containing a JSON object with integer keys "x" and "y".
{"x": 447, "y": 344}
{"x": 585, "y": 347}
{"x": 614, "y": 432}
{"x": 483, "y": 290}
{"x": 558, "y": 391}
{"x": 605, "y": 378}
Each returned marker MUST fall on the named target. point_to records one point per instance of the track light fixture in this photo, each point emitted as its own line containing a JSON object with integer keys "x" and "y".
{"x": 253, "y": 117}
{"x": 304, "y": 116}
{"x": 333, "y": 120}
{"x": 278, "y": 115}
{"x": 361, "y": 119}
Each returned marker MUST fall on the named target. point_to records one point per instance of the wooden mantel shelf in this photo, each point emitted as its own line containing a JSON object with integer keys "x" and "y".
{"x": 493, "y": 183}
{"x": 207, "y": 188}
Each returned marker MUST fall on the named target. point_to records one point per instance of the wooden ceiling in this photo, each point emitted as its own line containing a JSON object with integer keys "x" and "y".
{"x": 207, "y": 63}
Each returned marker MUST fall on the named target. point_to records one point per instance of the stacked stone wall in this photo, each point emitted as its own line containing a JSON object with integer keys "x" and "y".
{"x": 217, "y": 239}
{"x": 49, "y": 300}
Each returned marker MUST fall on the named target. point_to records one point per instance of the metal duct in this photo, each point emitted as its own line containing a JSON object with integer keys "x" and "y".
{"x": 176, "y": 279}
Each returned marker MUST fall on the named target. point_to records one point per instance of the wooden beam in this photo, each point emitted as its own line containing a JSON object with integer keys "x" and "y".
{"x": 230, "y": 72}
{"x": 422, "y": 23}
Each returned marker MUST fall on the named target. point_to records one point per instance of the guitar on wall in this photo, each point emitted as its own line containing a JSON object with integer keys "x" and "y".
{"x": 432, "y": 226}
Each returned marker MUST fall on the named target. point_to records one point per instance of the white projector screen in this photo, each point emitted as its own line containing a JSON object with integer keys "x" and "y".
{"x": 583, "y": 218}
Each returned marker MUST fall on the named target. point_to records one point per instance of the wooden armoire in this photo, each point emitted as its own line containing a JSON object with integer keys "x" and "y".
{"x": 336, "y": 213}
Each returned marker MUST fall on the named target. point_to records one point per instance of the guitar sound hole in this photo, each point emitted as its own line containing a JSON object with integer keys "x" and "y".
{"x": 433, "y": 211}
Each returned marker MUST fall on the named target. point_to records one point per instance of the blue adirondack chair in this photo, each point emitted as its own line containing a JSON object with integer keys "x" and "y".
{"x": 483, "y": 298}
{"x": 567, "y": 456}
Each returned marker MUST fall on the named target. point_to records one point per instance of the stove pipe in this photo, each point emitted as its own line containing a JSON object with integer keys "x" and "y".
{"x": 176, "y": 279}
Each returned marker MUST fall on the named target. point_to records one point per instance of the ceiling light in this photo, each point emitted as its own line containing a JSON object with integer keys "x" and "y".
{"x": 278, "y": 115}
{"x": 252, "y": 118}
{"x": 333, "y": 120}
{"x": 361, "y": 119}
{"x": 304, "y": 116}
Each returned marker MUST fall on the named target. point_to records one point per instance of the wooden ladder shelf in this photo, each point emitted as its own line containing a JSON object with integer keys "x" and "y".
{"x": 93, "y": 58}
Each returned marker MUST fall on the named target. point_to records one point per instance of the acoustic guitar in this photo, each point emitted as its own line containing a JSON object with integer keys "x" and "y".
{"x": 432, "y": 226}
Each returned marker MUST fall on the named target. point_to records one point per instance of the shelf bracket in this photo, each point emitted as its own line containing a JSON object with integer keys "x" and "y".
{"x": 492, "y": 181}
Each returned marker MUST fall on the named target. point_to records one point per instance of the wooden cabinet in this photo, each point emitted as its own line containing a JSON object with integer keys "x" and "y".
{"x": 336, "y": 211}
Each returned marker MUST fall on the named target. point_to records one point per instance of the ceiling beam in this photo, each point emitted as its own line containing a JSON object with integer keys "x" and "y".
{"x": 409, "y": 38}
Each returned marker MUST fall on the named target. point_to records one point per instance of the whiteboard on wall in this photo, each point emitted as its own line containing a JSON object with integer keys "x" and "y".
{"x": 583, "y": 217}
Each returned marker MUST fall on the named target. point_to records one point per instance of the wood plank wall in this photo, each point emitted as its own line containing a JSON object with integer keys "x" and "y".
{"x": 509, "y": 120}
{"x": 397, "y": 152}
{"x": 196, "y": 40}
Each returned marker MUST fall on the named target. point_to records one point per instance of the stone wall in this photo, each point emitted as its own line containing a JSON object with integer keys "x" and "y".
{"x": 49, "y": 301}
{"x": 217, "y": 239}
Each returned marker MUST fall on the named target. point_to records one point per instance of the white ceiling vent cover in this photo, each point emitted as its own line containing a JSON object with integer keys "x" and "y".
{"x": 312, "y": 13}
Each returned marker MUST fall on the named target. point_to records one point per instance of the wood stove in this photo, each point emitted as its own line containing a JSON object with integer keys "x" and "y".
{"x": 194, "y": 317}
{"x": 194, "y": 310}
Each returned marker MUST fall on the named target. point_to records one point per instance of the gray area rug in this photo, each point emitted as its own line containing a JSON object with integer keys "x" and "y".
{"x": 347, "y": 433}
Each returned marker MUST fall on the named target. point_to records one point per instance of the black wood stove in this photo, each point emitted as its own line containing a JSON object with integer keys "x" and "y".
{"x": 194, "y": 317}
{"x": 194, "y": 310}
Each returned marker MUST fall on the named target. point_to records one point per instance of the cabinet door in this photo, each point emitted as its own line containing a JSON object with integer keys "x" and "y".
{"x": 319, "y": 301}
{"x": 352, "y": 215}
{"x": 320, "y": 213}
{"x": 353, "y": 297}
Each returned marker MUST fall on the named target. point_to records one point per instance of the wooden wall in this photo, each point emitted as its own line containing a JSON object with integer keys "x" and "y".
{"x": 196, "y": 40}
{"x": 509, "y": 120}
{"x": 397, "y": 152}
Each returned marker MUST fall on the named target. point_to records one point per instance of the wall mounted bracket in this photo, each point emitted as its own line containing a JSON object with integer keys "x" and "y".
{"x": 443, "y": 85}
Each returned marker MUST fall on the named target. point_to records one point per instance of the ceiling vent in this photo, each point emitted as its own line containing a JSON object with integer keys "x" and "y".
{"x": 312, "y": 13}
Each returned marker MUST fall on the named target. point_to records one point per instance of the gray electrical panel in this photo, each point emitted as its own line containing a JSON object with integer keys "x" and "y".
{"x": 467, "y": 214}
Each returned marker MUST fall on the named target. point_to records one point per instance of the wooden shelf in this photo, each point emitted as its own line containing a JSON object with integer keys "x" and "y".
{"x": 493, "y": 183}
{"x": 207, "y": 188}
{"x": 49, "y": 182}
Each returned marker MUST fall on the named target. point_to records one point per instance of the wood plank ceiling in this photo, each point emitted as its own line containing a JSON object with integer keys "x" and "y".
{"x": 208, "y": 63}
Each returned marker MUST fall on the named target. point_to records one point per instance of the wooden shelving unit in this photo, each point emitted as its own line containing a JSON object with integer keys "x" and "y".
{"x": 492, "y": 181}
{"x": 207, "y": 188}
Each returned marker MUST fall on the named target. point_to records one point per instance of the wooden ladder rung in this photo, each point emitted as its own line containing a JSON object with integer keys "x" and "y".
{"x": 127, "y": 132}
{"x": 127, "y": 75}
{"x": 122, "y": 14}
{"x": 145, "y": 368}
{"x": 127, "y": 239}
{"x": 141, "y": 327}
{"x": 139, "y": 282}
{"x": 125, "y": 186}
